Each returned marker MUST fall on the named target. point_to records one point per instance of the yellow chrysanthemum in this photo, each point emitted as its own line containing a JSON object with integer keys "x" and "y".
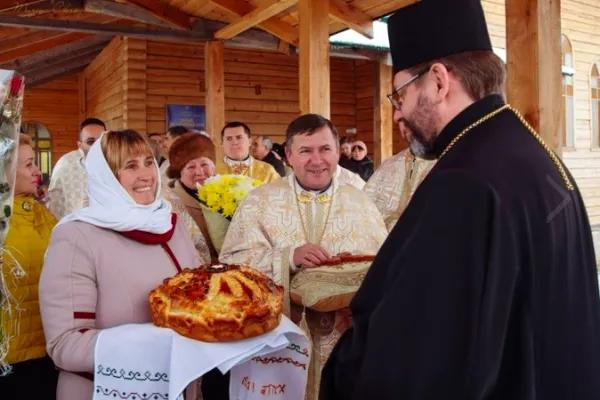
{"x": 224, "y": 193}
{"x": 239, "y": 194}
{"x": 229, "y": 209}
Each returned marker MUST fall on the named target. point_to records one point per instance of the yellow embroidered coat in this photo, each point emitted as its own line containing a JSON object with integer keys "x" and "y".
{"x": 270, "y": 223}
{"x": 394, "y": 182}
{"x": 257, "y": 169}
{"x": 29, "y": 233}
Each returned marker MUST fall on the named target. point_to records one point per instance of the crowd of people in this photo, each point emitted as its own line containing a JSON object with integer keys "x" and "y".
{"x": 479, "y": 289}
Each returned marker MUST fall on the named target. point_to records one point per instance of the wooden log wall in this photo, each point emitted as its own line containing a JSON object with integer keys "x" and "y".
{"x": 261, "y": 88}
{"x": 135, "y": 84}
{"x": 55, "y": 105}
{"x": 104, "y": 84}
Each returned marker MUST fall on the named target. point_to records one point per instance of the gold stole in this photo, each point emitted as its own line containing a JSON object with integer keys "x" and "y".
{"x": 317, "y": 325}
{"x": 411, "y": 177}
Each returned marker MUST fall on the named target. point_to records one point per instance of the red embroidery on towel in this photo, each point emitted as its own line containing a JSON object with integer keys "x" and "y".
{"x": 84, "y": 315}
{"x": 248, "y": 384}
{"x": 84, "y": 330}
{"x": 279, "y": 360}
{"x": 272, "y": 390}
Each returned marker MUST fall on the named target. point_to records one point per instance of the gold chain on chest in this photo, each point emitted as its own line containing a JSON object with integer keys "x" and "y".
{"x": 538, "y": 138}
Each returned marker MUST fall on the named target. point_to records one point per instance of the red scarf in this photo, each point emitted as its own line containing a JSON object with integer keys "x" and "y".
{"x": 152, "y": 238}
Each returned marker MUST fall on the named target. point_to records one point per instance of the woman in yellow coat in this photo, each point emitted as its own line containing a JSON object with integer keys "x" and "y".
{"x": 32, "y": 374}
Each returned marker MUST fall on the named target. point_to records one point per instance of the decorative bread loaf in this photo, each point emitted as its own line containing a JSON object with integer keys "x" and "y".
{"x": 218, "y": 303}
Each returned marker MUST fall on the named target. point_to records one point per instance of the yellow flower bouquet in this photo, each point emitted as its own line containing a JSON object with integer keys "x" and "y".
{"x": 220, "y": 197}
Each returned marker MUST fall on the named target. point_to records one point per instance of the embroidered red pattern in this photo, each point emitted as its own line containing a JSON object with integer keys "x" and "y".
{"x": 248, "y": 384}
{"x": 272, "y": 390}
{"x": 279, "y": 360}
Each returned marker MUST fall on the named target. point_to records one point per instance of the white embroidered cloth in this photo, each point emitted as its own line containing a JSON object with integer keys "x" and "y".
{"x": 143, "y": 362}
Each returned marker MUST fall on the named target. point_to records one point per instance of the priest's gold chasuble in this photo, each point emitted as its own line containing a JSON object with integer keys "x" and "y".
{"x": 347, "y": 177}
{"x": 394, "y": 182}
{"x": 253, "y": 168}
{"x": 276, "y": 218}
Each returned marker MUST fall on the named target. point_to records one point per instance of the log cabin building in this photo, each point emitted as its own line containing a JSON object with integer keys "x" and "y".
{"x": 124, "y": 61}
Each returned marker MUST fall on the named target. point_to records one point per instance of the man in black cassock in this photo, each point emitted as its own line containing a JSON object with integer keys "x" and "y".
{"x": 486, "y": 287}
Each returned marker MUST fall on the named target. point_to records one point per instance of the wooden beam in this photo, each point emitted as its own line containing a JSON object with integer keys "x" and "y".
{"x": 104, "y": 29}
{"x": 534, "y": 56}
{"x": 383, "y": 125}
{"x": 255, "y": 17}
{"x": 39, "y": 6}
{"x": 165, "y": 12}
{"x": 214, "y": 71}
{"x": 352, "y": 17}
{"x": 27, "y": 39}
{"x": 30, "y": 62}
{"x": 314, "y": 57}
{"x": 274, "y": 26}
{"x": 46, "y": 74}
{"x": 52, "y": 62}
{"x": 121, "y": 10}
{"x": 44, "y": 45}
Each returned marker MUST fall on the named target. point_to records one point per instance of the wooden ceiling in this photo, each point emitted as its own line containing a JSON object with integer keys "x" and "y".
{"x": 47, "y": 39}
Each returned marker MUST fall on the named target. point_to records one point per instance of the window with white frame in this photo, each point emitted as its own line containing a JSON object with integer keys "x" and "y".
{"x": 568, "y": 139}
{"x": 595, "y": 104}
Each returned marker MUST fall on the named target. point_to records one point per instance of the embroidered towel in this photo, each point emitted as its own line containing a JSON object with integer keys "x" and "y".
{"x": 144, "y": 362}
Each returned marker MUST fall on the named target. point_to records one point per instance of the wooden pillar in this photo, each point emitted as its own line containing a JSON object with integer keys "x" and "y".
{"x": 314, "y": 57}
{"x": 534, "y": 57}
{"x": 134, "y": 85}
{"x": 382, "y": 108}
{"x": 214, "y": 70}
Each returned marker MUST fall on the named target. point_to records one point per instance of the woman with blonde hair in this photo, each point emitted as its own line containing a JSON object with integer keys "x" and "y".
{"x": 192, "y": 161}
{"x": 103, "y": 260}
{"x": 21, "y": 334}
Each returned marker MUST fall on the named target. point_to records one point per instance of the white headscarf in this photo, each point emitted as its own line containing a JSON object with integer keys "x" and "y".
{"x": 111, "y": 207}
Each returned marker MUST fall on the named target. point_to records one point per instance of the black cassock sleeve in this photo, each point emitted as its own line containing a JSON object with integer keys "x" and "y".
{"x": 432, "y": 313}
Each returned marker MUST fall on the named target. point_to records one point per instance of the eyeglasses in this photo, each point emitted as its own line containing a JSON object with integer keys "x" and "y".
{"x": 397, "y": 95}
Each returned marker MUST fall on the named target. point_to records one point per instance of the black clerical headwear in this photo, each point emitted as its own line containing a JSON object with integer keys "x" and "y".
{"x": 431, "y": 29}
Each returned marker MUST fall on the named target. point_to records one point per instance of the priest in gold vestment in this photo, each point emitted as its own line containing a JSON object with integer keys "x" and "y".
{"x": 302, "y": 220}
{"x": 348, "y": 177}
{"x": 235, "y": 138}
{"x": 394, "y": 182}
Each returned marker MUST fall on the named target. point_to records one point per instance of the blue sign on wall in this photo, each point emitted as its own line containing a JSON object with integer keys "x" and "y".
{"x": 192, "y": 117}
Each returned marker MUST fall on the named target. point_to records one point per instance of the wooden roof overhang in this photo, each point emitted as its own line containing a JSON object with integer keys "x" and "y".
{"x": 47, "y": 39}
{"x": 44, "y": 39}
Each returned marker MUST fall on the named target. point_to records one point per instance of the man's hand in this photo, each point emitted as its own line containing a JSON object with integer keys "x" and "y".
{"x": 310, "y": 255}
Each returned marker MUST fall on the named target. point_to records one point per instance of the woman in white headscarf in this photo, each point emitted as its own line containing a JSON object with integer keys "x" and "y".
{"x": 103, "y": 260}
